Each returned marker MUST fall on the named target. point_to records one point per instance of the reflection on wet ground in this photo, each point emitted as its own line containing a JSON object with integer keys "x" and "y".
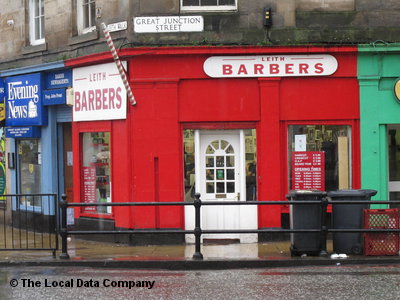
{"x": 84, "y": 249}
{"x": 333, "y": 282}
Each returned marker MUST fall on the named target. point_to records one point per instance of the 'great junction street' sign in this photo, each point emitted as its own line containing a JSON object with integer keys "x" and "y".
{"x": 168, "y": 24}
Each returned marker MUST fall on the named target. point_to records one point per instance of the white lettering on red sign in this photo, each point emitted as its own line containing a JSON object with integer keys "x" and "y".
{"x": 99, "y": 93}
{"x": 308, "y": 170}
{"x": 270, "y": 66}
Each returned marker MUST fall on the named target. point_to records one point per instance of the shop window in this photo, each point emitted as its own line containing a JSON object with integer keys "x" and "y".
{"x": 30, "y": 168}
{"x": 210, "y": 5}
{"x": 319, "y": 157}
{"x": 36, "y": 21}
{"x": 189, "y": 165}
{"x": 393, "y": 140}
{"x": 86, "y": 14}
{"x": 96, "y": 171}
{"x": 251, "y": 167}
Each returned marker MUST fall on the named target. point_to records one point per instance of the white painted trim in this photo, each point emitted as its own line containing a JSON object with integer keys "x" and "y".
{"x": 210, "y": 8}
{"x": 32, "y": 40}
{"x": 79, "y": 19}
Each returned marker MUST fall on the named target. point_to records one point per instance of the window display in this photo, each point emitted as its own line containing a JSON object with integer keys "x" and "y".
{"x": 319, "y": 157}
{"x": 188, "y": 149}
{"x": 30, "y": 167}
{"x": 96, "y": 171}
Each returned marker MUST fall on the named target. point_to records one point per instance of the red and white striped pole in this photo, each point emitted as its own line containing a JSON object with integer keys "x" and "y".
{"x": 118, "y": 63}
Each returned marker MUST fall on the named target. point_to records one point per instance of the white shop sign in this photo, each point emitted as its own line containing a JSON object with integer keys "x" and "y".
{"x": 99, "y": 93}
{"x": 168, "y": 24}
{"x": 270, "y": 65}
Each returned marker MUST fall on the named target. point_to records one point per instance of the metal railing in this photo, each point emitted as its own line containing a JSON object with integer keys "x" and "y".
{"x": 198, "y": 231}
{"x": 27, "y": 224}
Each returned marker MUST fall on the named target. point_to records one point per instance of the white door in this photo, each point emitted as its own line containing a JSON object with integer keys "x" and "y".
{"x": 220, "y": 176}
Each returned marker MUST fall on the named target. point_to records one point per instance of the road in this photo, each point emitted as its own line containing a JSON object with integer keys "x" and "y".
{"x": 334, "y": 282}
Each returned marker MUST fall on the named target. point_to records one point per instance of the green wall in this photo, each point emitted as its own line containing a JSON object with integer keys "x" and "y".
{"x": 378, "y": 68}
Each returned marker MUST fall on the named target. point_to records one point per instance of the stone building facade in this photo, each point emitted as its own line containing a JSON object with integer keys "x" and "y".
{"x": 292, "y": 22}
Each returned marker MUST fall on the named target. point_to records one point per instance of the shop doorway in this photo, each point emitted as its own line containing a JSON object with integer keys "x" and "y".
{"x": 67, "y": 159}
{"x": 220, "y": 160}
{"x": 393, "y": 139}
{"x": 65, "y": 175}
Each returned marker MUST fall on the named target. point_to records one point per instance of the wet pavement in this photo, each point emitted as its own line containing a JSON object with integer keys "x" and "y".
{"x": 180, "y": 257}
{"x": 327, "y": 282}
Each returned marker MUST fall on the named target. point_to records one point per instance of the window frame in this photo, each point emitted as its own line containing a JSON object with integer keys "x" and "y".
{"x": 210, "y": 8}
{"x": 109, "y": 214}
{"x": 32, "y": 22}
{"x": 20, "y": 188}
{"x": 352, "y": 159}
{"x": 80, "y": 17}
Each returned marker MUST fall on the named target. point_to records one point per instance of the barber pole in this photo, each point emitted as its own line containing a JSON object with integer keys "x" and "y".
{"x": 118, "y": 63}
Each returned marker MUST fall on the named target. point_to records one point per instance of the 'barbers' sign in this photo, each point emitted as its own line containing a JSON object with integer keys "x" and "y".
{"x": 270, "y": 65}
{"x": 24, "y": 101}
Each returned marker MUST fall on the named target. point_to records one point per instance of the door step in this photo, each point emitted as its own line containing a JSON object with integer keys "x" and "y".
{"x": 221, "y": 241}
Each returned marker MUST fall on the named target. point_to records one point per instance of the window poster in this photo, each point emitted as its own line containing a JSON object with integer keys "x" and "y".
{"x": 89, "y": 192}
{"x": 308, "y": 170}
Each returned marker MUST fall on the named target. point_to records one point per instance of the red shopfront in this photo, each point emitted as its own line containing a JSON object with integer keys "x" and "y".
{"x": 229, "y": 122}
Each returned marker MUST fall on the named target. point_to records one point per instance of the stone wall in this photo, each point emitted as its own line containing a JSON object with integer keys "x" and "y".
{"x": 294, "y": 22}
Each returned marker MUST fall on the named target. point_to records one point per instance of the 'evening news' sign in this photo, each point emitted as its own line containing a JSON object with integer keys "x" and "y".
{"x": 168, "y": 24}
{"x": 24, "y": 101}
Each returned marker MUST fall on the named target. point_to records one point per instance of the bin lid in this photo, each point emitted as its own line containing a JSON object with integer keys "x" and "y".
{"x": 305, "y": 194}
{"x": 352, "y": 193}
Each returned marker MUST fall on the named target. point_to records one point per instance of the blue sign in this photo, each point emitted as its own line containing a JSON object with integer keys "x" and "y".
{"x": 24, "y": 101}
{"x": 23, "y": 132}
{"x": 59, "y": 79}
{"x": 2, "y": 90}
{"x": 53, "y": 97}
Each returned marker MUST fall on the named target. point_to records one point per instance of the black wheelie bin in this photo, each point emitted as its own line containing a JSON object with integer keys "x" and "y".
{"x": 349, "y": 216}
{"x": 305, "y": 216}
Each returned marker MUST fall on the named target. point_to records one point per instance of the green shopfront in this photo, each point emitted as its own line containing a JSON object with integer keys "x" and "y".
{"x": 378, "y": 73}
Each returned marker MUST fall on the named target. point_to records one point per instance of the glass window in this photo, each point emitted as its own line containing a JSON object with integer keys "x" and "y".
{"x": 30, "y": 168}
{"x": 96, "y": 170}
{"x": 208, "y": 5}
{"x": 319, "y": 157}
{"x": 393, "y": 140}
{"x": 251, "y": 160}
{"x": 36, "y": 21}
{"x": 188, "y": 150}
{"x": 86, "y": 16}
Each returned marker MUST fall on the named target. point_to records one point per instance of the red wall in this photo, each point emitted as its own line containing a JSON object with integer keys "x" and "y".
{"x": 172, "y": 93}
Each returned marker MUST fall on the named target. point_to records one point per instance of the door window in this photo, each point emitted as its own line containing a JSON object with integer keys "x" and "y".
{"x": 220, "y": 167}
{"x": 30, "y": 168}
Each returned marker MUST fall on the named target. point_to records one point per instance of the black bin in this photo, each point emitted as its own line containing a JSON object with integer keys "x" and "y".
{"x": 349, "y": 216}
{"x": 305, "y": 216}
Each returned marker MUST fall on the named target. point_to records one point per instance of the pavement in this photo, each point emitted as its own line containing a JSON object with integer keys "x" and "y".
{"x": 180, "y": 257}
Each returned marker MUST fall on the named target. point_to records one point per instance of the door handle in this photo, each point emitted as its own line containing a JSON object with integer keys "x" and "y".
{"x": 237, "y": 196}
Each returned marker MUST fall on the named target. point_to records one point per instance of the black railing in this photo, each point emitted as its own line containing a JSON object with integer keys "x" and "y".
{"x": 198, "y": 231}
{"x": 29, "y": 222}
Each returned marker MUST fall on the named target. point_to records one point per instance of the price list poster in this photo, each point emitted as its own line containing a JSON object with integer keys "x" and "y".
{"x": 308, "y": 170}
